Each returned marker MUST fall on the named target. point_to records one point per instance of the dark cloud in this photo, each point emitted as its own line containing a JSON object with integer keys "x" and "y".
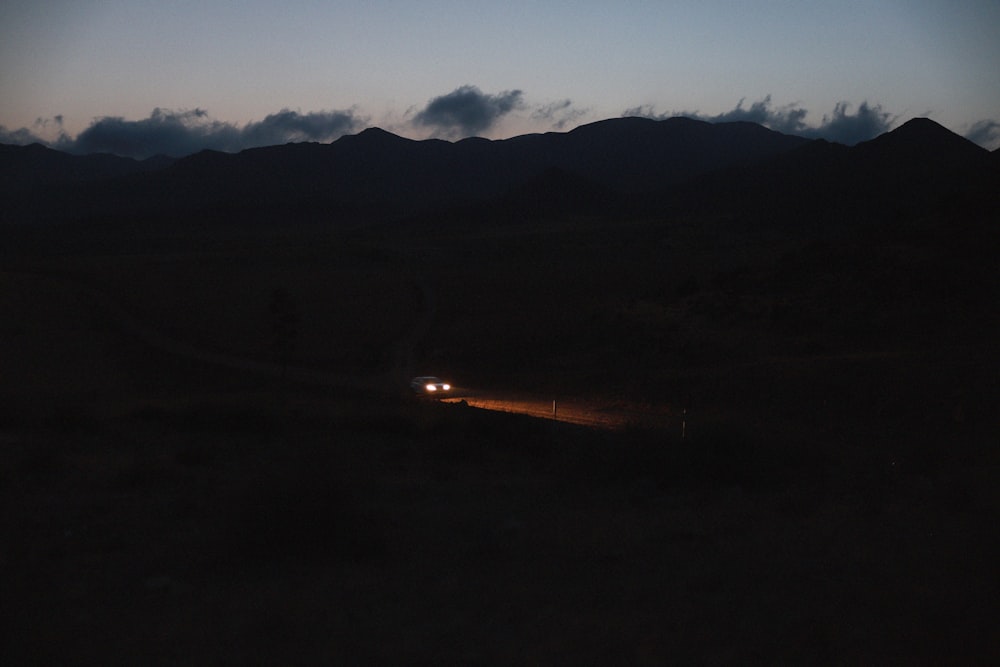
{"x": 41, "y": 127}
{"x": 646, "y": 111}
{"x": 841, "y": 126}
{"x": 288, "y": 126}
{"x": 846, "y": 128}
{"x": 165, "y": 132}
{"x": 559, "y": 114}
{"x": 986, "y": 133}
{"x": 20, "y": 137}
{"x": 788, "y": 119}
{"x": 179, "y": 133}
{"x": 467, "y": 111}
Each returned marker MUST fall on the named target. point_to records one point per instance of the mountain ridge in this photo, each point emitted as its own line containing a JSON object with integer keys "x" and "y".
{"x": 639, "y": 164}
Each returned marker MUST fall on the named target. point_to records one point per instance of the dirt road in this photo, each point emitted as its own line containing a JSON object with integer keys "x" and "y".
{"x": 593, "y": 413}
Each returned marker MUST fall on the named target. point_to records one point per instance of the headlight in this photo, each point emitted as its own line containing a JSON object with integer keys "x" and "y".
{"x": 446, "y": 387}
{"x": 430, "y": 387}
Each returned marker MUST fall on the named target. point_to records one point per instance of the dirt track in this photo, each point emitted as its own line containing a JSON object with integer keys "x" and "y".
{"x": 575, "y": 411}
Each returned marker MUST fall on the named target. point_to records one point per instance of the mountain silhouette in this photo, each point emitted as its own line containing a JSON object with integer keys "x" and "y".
{"x": 908, "y": 173}
{"x": 921, "y": 155}
{"x": 923, "y": 138}
{"x": 631, "y": 165}
{"x": 35, "y": 166}
{"x": 41, "y": 183}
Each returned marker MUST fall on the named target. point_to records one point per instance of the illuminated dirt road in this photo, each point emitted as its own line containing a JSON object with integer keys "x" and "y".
{"x": 599, "y": 414}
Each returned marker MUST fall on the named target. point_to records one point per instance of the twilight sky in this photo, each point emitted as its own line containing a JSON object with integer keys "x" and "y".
{"x": 140, "y": 77}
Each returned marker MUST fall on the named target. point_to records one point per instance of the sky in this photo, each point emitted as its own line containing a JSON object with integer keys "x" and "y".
{"x": 146, "y": 77}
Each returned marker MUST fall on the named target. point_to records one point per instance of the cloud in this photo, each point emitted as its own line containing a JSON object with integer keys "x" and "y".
{"x": 788, "y": 119}
{"x": 165, "y": 132}
{"x": 20, "y": 137}
{"x": 179, "y": 133}
{"x": 41, "y": 129}
{"x": 288, "y": 126}
{"x": 986, "y": 133}
{"x": 467, "y": 111}
{"x": 845, "y": 128}
{"x": 559, "y": 114}
{"x": 841, "y": 126}
{"x": 646, "y": 111}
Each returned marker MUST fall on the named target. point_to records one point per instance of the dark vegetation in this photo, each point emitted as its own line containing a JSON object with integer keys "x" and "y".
{"x": 827, "y": 316}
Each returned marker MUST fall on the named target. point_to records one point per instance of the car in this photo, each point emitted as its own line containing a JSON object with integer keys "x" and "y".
{"x": 428, "y": 385}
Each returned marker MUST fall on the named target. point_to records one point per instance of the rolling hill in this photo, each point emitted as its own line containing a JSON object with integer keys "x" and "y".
{"x": 375, "y": 174}
{"x": 626, "y": 166}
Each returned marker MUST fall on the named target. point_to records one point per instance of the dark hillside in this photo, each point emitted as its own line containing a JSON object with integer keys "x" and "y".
{"x": 639, "y": 155}
{"x": 919, "y": 161}
{"x": 23, "y": 167}
{"x": 377, "y": 175}
{"x": 907, "y": 176}
{"x": 41, "y": 184}
{"x": 922, "y": 140}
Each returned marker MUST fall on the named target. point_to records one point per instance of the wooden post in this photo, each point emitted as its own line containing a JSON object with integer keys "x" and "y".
{"x": 684, "y": 412}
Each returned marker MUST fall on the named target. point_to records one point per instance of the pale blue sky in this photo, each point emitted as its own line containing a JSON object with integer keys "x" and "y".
{"x": 500, "y": 68}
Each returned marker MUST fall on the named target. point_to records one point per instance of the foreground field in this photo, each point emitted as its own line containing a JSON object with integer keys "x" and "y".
{"x": 312, "y": 529}
{"x": 160, "y": 510}
{"x": 209, "y": 453}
